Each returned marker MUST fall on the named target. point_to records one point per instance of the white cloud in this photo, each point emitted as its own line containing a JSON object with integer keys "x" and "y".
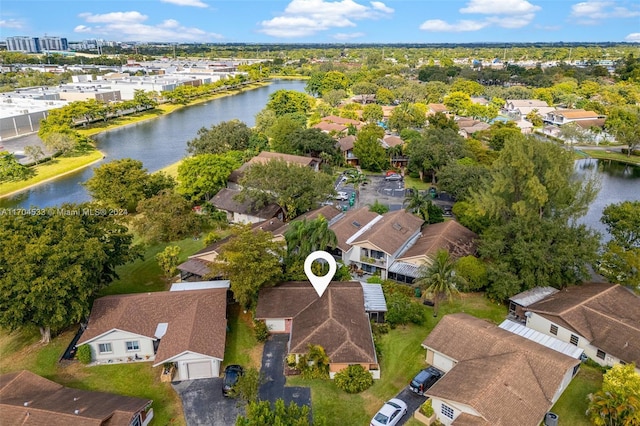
{"x": 500, "y": 7}
{"x": 460, "y": 26}
{"x": 193, "y": 3}
{"x": 348, "y": 36}
{"x": 131, "y": 26}
{"x": 508, "y": 14}
{"x": 592, "y": 12}
{"x": 11, "y": 23}
{"x": 633, "y": 37}
{"x": 307, "y": 17}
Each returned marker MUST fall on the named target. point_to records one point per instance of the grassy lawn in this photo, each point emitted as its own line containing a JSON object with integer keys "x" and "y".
{"x": 171, "y": 169}
{"x": 52, "y": 169}
{"x": 572, "y": 405}
{"x": 616, "y": 156}
{"x": 401, "y": 358}
{"x": 410, "y": 182}
{"x": 241, "y": 346}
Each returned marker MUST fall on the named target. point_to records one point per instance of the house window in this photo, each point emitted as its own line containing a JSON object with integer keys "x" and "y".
{"x": 600, "y": 354}
{"x": 105, "y": 348}
{"x": 574, "y": 340}
{"x": 446, "y": 411}
{"x": 133, "y": 346}
{"x": 554, "y": 330}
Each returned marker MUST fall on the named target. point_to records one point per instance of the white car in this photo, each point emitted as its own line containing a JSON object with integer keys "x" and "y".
{"x": 390, "y": 413}
{"x": 342, "y": 196}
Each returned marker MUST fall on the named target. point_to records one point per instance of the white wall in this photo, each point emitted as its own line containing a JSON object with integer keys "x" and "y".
{"x": 182, "y": 361}
{"x": 457, "y": 410}
{"x": 276, "y": 325}
{"x": 118, "y": 341}
{"x": 442, "y": 362}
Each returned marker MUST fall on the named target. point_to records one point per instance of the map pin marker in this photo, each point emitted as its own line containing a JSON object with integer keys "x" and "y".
{"x": 320, "y": 283}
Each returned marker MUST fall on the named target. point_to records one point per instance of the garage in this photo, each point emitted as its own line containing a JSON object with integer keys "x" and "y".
{"x": 199, "y": 370}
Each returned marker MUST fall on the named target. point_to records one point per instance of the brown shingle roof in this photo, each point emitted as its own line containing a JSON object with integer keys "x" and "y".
{"x": 506, "y": 378}
{"x": 328, "y": 212}
{"x": 392, "y": 141}
{"x": 52, "y": 404}
{"x": 392, "y": 231}
{"x": 339, "y": 120}
{"x": 449, "y": 235}
{"x": 438, "y": 107}
{"x": 224, "y": 200}
{"x": 327, "y": 127}
{"x": 346, "y": 143}
{"x": 197, "y": 320}
{"x": 608, "y": 315}
{"x": 266, "y": 156}
{"x": 352, "y": 222}
{"x": 336, "y": 321}
{"x": 587, "y": 124}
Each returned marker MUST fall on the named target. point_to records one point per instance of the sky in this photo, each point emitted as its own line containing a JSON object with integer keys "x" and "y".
{"x": 325, "y": 21}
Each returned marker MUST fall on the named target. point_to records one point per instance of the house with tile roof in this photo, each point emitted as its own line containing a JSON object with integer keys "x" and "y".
{"x": 246, "y": 211}
{"x": 186, "y": 328}
{"x": 493, "y": 376}
{"x": 265, "y": 157}
{"x": 29, "y": 399}
{"x": 519, "y": 108}
{"x": 601, "y": 318}
{"x": 345, "y": 145}
{"x": 564, "y": 116}
{"x": 337, "y": 321}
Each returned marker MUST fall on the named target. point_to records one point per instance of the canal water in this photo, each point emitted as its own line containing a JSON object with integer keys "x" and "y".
{"x": 157, "y": 143}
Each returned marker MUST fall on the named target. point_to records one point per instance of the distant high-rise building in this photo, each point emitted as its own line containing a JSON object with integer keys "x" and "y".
{"x": 24, "y": 44}
{"x": 54, "y": 43}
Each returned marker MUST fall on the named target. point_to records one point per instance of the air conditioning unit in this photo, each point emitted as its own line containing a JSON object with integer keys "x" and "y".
{"x": 551, "y": 419}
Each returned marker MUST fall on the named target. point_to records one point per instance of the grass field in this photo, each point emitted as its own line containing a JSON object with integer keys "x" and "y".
{"x": 573, "y": 403}
{"x": 615, "y": 156}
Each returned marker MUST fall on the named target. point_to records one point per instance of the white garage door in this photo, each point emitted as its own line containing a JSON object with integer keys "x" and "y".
{"x": 199, "y": 370}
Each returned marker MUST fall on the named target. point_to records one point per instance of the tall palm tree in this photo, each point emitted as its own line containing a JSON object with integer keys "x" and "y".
{"x": 306, "y": 236}
{"x": 357, "y": 179}
{"x": 439, "y": 279}
{"x": 418, "y": 203}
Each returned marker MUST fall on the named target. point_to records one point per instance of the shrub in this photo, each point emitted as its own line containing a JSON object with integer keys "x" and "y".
{"x": 403, "y": 310}
{"x": 315, "y": 364}
{"x": 84, "y": 354}
{"x": 291, "y": 360}
{"x": 261, "y": 330}
{"x": 353, "y": 379}
{"x": 426, "y": 408}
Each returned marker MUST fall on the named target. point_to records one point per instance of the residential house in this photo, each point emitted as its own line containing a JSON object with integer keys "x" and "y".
{"x": 519, "y": 303}
{"x": 186, "y": 328}
{"x": 563, "y": 116}
{"x": 246, "y": 211}
{"x": 340, "y": 120}
{"x": 525, "y": 126}
{"x": 265, "y": 157}
{"x": 468, "y": 127}
{"x": 448, "y": 235}
{"x": 29, "y": 399}
{"x": 337, "y": 321}
{"x": 372, "y": 241}
{"x": 328, "y": 127}
{"x": 601, "y": 318}
{"x": 493, "y": 376}
{"x": 198, "y": 265}
{"x": 434, "y": 108}
{"x": 519, "y": 108}
{"x": 346, "y": 144}
{"x": 331, "y": 213}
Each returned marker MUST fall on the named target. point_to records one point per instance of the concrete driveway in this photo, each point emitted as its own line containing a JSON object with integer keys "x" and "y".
{"x": 275, "y": 349}
{"x": 204, "y": 405}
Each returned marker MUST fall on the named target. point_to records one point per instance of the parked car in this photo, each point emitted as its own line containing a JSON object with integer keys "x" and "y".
{"x": 424, "y": 380}
{"x": 390, "y": 413}
{"x": 342, "y": 196}
{"x": 392, "y": 177}
{"x": 231, "y": 375}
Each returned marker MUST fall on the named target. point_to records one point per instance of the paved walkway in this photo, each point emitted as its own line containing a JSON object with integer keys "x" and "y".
{"x": 275, "y": 350}
{"x": 204, "y": 405}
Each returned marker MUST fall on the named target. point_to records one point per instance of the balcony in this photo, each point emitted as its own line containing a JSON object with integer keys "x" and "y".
{"x": 373, "y": 261}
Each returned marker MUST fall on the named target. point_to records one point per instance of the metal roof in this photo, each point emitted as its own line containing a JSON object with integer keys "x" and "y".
{"x": 532, "y": 296}
{"x": 373, "y": 297}
{"x": 404, "y": 268}
{"x": 542, "y": 339}
{"x": 199, "y": 285}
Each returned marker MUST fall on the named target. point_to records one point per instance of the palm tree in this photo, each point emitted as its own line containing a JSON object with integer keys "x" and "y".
{"x": 306, "y": 236}
{"x": 439, "y": 279}
{"x": 418, "y": 203}
{"x": 357, "y": 179}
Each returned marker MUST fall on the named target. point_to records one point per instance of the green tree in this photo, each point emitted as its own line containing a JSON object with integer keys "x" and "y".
{"x": 248, "y": 385}
{"x": 11, "y": 170}
{"x": 433, "y": 149}
{"x": 440, "y": 120}
{"x": 251, "y": 261}
{"x": 471, "y": 88}
{"x": 621, "y": 259}
{"x": 368, "y": 148}
{"x": 384, "y": 96}
{"x": 289, "y": 101}
{"x": 372, "y": 113}
{"x": 356, "y": 178}
{"x": 418, "y": 203}
{"x": 474, "y": 273}
{"x": 166, "y": 217}
{"x": 439, "y": 279}
{"x": 458, "y": 178}
{"x": 280, "y": 132}
{"x": 457, "y": 102}
{"x": 306, "y": 236}
{"x": 168, "y": 259}
{"x": 618, "y": 402}
{"x": 260, "y": 413}
{"x": 35, "y": 152}
{"x": 407, "y": 116}
{"x": 334, "y": 97}
{"x": 221, "y": 138}
{"x": 624, "y": 123}
{"x": 53, "y": 264}
{"x": 296, "y": 189}
{"x": 334, "y": 80}
{"x": 378, "y": 207}
{"x": 202, "y": 176}
{"x": 63, "y": 142}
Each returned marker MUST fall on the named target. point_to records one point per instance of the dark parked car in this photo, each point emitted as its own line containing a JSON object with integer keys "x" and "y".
{"x": 424, "y": 380}
{"x": 231, "y": 375}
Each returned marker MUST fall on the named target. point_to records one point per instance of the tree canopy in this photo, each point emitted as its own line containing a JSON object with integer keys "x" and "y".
{"x": 618, "y": 402}
{"x": 202, "y": 176}
{"x": 289, "y": 101}
{"x": 220, "y": 138}
{"x": 368, "y": 148}
{"x": 53, "y": 263}
{"x": 621, "y": 259}
{"x": 166, "y": 217}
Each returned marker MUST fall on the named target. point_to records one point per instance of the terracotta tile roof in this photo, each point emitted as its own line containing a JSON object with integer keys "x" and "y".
{"x": 346, "y": 143}
{"x": 608, "y": 315}
{"x": 336, "y": 321}
{"x": 449, "y": 235}
{"x": 575, "y": 113}
{"x": 392, "y": 232}
{"x": 224, "y": 200}
{"x": 52, "y": 404}
{"x": 506, "y": 378}
{"x": 197, "y": 320}
{"x": 352, "y": 222}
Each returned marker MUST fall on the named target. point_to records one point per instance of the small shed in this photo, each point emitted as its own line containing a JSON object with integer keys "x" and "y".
{"x": 375, "y": 304}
